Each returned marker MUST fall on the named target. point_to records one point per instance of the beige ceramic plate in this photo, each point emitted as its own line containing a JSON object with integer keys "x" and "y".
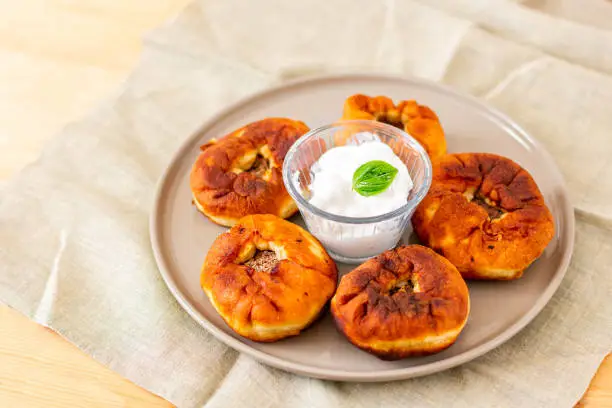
{"x": 181, "y": 236}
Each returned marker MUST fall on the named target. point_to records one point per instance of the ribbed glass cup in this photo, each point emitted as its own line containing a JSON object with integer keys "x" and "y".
{"x": 355, "y": 239}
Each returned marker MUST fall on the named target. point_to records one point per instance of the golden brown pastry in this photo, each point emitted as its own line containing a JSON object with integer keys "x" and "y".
{"x": 417, "y": 120}
{"x": 405, "y": 302}
{"x": 485, "y": 214}
{"x": 241, "y": 173}
{"x": 268, "y": 278}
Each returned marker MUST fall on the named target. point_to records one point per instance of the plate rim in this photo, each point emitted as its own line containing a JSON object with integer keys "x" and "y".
{"x": 362, "y": 376}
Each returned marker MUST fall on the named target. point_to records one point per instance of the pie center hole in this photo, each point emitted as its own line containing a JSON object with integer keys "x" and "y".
{"x": 405, "y": 285}
{"x": 263, "y": 261}
{"x": 492, "y": 210}
{"x": 260, "y": 166}
{"x": 388, "y": 121}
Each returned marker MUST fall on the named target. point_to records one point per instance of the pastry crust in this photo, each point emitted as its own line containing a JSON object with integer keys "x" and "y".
{"x": 405, "y": 302}
{"x": 417, "y": 120}
{"x": 270, "y": 297}
{"x": 241, "y": 173}
{"x": 485, "y": 214}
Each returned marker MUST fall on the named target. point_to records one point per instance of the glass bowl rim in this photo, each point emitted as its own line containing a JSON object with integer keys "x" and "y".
{"x": 412, "y": 203}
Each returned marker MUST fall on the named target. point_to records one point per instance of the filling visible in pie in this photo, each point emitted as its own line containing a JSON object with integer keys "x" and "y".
{"x": 263, "y": 261}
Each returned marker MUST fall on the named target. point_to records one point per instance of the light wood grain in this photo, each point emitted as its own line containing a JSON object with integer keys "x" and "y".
{"x": 40, "y": 369}
{"x": 599, "y": 393}
{"x": 58, "y": 58}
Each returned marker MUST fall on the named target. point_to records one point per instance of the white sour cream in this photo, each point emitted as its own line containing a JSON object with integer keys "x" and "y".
{"x": 332, "y": 186}
{"x": 331, "y": 190}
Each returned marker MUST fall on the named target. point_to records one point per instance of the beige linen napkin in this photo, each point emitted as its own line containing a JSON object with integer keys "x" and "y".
{"x": 74, "y": 242}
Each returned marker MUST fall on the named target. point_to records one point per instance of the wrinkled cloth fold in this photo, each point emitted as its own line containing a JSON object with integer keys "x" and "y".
{"x": 74, "y": 239}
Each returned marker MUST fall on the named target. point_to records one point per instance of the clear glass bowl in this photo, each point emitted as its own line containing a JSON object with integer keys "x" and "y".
{"x": 351, "y": 239}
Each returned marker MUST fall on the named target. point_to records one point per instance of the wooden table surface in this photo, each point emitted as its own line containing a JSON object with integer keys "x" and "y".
{"x": 50, "y": 75}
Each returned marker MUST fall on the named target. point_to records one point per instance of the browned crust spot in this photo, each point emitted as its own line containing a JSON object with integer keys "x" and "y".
{"x": 406, "y": 294}
{"x": 226, "y": 189}
{"x": 484, "y": 213}
{"x": 417, "y": 120}
{"x": 283, "y": 294}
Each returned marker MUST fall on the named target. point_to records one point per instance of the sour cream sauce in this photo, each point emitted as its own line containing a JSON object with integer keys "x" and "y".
{"x": 332, "y": 186}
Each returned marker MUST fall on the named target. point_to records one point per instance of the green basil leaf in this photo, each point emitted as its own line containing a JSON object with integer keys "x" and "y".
{"x": 373, "y": 177}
